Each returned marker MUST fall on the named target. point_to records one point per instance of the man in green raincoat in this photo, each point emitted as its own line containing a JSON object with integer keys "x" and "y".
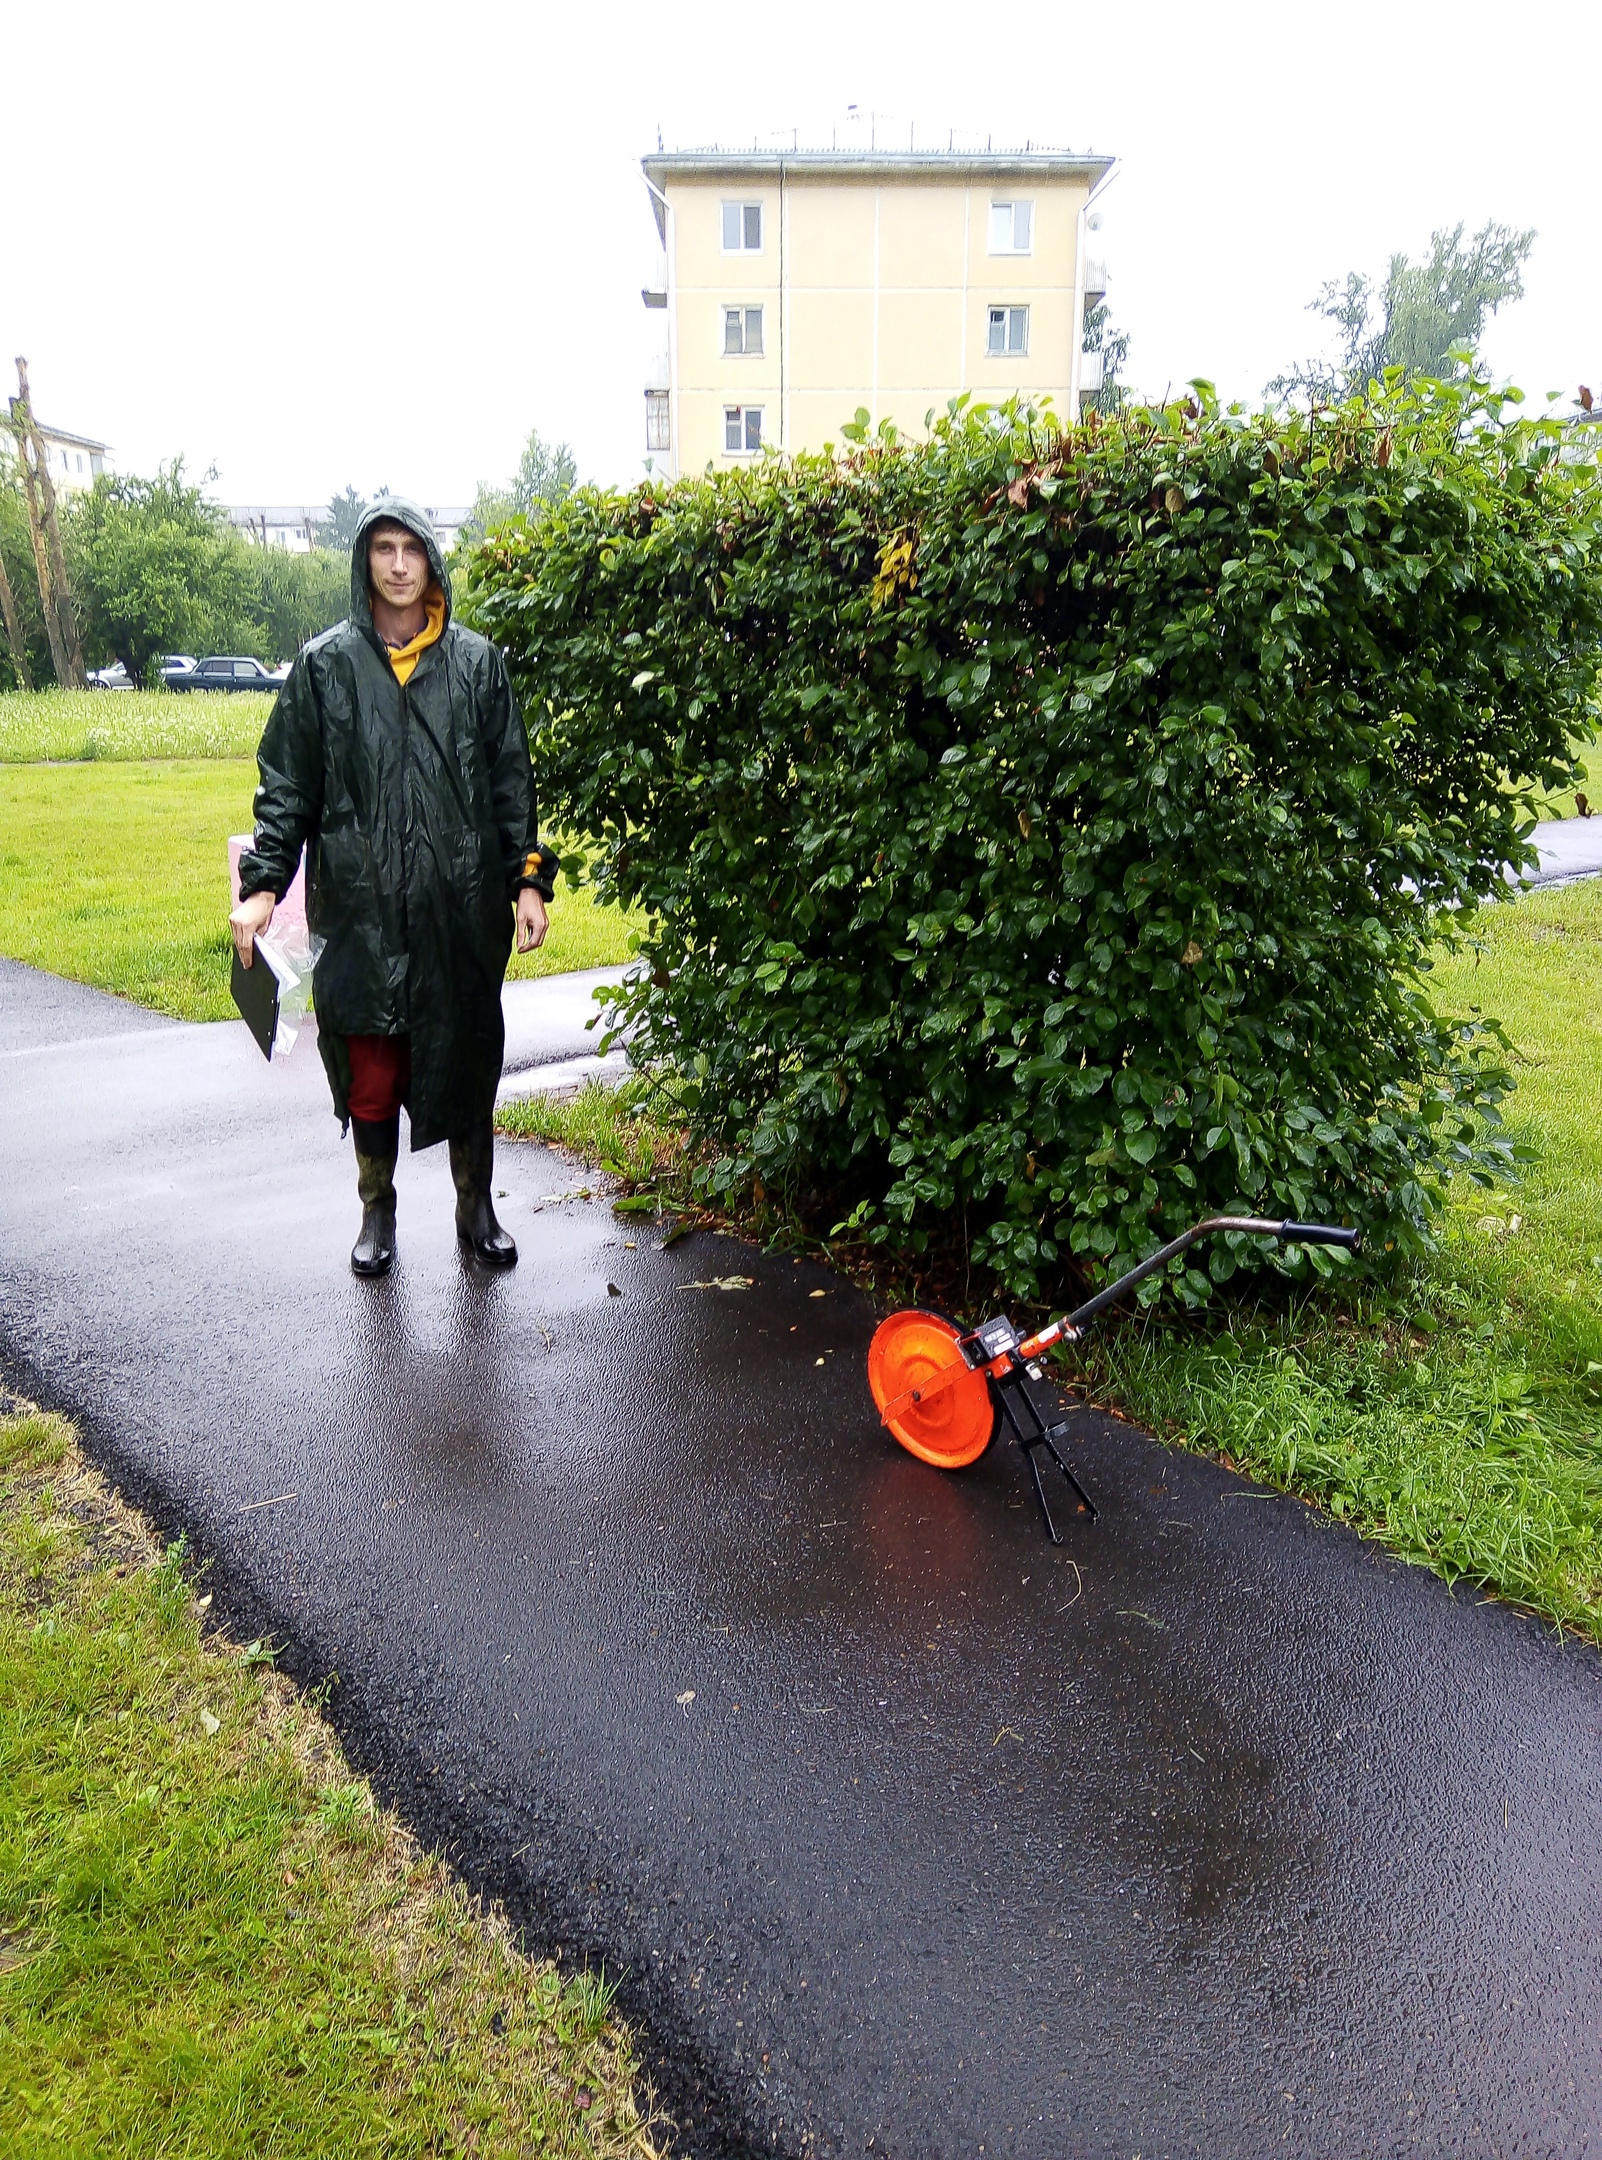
{"x": 397, "y": 757}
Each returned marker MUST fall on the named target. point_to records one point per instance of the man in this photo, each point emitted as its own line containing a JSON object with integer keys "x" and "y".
{"x": 397, "y": 756}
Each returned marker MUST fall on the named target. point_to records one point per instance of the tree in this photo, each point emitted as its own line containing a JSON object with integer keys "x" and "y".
{"x": 297, "y": 596}
{"x": 546, "y": 472}
{"x": 1113, "y": 345}
{"x": 16, "y": 553}
{"x": 156, "y": 569}
{"x": 345, "y": 513}
{"x": 1424, "y": 316}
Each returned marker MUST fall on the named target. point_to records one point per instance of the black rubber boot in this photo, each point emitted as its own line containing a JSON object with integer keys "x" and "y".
{"x": 377, "y": 1146}
{"x": 472, "y": 1169}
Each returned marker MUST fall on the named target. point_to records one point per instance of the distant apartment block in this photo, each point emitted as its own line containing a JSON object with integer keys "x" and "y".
{"x": 293, "y": 526}
{"x": 75, "y": 461}
{"x": 792, "y": 288}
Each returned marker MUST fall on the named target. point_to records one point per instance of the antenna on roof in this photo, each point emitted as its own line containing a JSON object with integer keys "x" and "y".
{"x": 659, "y": 138}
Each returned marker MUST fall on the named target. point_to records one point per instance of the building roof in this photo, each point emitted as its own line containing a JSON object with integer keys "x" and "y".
{"x": 1030, "y": 161}
{"x": 65, "y": 435}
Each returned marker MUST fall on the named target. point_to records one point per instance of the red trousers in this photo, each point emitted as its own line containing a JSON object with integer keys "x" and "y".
{"x": 380, "y": 1075}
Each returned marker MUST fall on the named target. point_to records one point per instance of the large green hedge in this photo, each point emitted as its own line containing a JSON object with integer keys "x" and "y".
{"x": 1044, "y": 837}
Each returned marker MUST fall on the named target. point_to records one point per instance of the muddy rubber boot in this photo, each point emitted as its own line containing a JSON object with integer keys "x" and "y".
{"x": 377, "y": 1146}
{"x": 472, "y": 1168}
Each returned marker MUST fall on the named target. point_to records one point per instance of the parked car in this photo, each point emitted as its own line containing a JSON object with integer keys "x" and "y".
{"x": 114, "y": 677}
{"x": 176, "y": 663}
{"x": 228, "y": 673}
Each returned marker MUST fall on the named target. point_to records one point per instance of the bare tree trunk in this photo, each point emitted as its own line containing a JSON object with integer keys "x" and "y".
{"x": 8, "y": 608}
{"x": 41, "y": 561}
{"x": 67, "y": 621}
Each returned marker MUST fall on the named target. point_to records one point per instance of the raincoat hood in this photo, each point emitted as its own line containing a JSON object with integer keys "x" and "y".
{"x": 392, "y": 510}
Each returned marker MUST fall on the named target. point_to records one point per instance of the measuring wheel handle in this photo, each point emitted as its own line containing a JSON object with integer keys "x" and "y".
{"x": 943, "y": 1392}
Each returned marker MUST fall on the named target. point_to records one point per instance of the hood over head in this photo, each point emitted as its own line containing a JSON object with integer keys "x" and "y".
{"x": 392, "y": 510}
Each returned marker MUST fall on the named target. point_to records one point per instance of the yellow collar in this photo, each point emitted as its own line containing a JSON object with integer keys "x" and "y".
{"x": 403, "y": 658}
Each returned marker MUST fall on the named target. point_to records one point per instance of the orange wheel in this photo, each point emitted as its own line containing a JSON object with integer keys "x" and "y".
{"x": 955, "y": 1423}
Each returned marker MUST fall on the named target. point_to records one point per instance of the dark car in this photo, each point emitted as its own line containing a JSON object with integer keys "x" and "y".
{"x": 228, "y": 674}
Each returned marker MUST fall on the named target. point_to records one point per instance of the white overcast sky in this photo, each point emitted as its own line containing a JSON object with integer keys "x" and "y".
{"x": 315, "y": 242}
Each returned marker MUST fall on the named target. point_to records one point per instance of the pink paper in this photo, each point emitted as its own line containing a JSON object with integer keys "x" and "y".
{"x": 291, "y": 910}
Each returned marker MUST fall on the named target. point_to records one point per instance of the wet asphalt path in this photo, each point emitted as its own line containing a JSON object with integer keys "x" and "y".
{"x": 1215, "y": 1833}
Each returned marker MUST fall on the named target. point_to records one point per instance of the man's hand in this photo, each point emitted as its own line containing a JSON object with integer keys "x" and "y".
{"x": 250, "y": 919}
{"x": 532, "y": 921}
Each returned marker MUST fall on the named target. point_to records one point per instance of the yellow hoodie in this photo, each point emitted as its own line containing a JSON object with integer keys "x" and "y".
{"x": 403, "y": 658}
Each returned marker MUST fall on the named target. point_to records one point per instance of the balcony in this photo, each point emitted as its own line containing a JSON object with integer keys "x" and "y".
{"x": 1092, "y": 371}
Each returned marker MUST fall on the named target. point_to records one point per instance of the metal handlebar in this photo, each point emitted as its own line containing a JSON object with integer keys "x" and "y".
{"x": 1288, "y": 1233}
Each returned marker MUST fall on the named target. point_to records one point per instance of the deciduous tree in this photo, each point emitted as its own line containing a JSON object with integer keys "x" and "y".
{"x": 1423, "y": 318}
{"x": 156, "y": 569}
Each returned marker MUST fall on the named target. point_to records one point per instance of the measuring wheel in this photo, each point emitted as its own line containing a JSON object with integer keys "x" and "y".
{"x": 917, "y": 1354}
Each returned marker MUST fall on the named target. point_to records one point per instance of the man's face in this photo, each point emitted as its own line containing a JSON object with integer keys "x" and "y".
{"x": 397, "y": 565}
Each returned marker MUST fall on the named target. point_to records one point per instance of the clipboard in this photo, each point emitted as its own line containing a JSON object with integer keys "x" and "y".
{"x": 259, "y": 991}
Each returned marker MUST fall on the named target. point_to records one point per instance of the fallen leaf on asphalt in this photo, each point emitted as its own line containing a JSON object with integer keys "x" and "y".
{"x": 612, "y": 1290}
{"x": 817, "y": 1293}
{"x": 720, "y": 1282}
{"x": 817, "y": 1361}
{"x": 684, "y": 1701}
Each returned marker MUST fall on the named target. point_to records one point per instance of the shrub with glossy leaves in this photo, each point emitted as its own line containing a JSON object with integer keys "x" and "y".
{"x": 1044, "y": 835}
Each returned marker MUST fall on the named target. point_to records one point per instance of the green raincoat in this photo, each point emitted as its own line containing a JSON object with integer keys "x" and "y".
{"x": 416, "y": 810}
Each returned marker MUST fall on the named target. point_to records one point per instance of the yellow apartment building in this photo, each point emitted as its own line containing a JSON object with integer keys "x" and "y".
{"x": 792, "y": 288}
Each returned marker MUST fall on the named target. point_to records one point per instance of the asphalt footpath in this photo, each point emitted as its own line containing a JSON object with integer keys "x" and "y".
{"x": 1213, "y": 1832}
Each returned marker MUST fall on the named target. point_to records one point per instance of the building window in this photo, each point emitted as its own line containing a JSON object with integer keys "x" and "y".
{"x": 1012, "y": 227}
{"x": 742, "y": 330}
{"x": 742, "y": 427}
{"x": 658, "y": 428}
{"x": 1009, "y": 331}
{"x": 742, "y": 228}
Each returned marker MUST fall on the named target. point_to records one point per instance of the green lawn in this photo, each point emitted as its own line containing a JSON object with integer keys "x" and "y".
{"x": 211, "y": 1942}
{"x": 1454, "y": 1413}
{"x": 61, "y": 725}
{"x": 1453, "y": 1410}
{"x": 116, "y": 874}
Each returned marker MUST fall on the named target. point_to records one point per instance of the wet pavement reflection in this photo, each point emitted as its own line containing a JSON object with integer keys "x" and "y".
{"x": 1214, "y": 1831}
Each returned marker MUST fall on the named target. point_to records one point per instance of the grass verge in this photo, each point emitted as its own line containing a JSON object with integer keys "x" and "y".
{"x": 88, "y": 725}
{"x": 1452, "y": 1410}
{"x": 117, "y": 875}
{"x": 211, "y": 1941}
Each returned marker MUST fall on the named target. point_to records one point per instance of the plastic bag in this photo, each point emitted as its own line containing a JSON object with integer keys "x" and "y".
{"x": 291, "y": 952}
